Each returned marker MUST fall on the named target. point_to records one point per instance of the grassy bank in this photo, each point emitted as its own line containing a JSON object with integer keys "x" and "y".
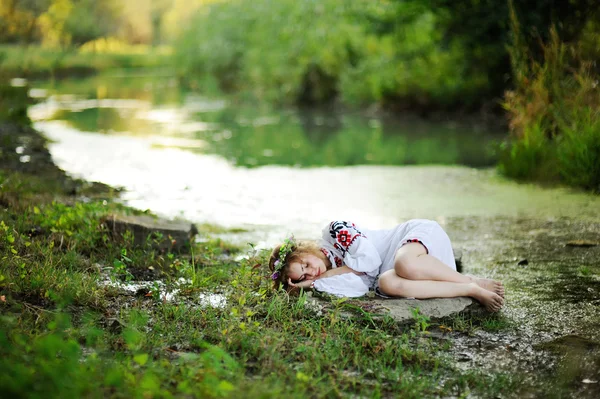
{"x": 554, "y": 112}
{"x": 67, "y": 328}
{"x": 35, "y": 61}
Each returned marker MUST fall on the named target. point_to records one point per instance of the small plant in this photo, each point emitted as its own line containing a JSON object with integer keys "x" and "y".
{"x": 421, "y": 321}
{"x": 119, "y": 270}
{"x": 156, "y": 291}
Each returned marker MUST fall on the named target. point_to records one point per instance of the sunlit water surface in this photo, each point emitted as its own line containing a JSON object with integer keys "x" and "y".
{"x": 277, "y": 172}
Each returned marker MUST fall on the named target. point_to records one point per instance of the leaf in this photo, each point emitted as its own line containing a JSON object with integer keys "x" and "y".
{"x": 141, "y": 359}
{"x": 300, "y": 376}
{"x": 36, "y": 210}
{"x": 225, "y": 386}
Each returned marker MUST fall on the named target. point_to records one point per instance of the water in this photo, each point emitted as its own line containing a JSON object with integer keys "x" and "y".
{"x": 210, "y": 160}
{"x": 272, "y": 173}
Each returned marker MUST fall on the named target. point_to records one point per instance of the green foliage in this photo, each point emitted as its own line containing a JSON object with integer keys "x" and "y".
{"x": 483, "y": 30}
{"x": 578, "y": 151}
{"x": 354, "y": 50}
{"x": 554, "y": 115}
{"x": 421, "y": 321}
{"x": 57, "y": 22}
{"x": 18, "y": 20}
{"x": 46, "y": 366}
{"x": 13, "y": 103}
{"x": 37, "y": 61}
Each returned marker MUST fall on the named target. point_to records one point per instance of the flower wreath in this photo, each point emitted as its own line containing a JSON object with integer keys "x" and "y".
{"x": 286, "y": 248}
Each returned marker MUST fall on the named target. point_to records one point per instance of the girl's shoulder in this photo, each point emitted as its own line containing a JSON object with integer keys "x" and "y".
{"x": 340, "y": 227}
{"x": 341, "y": 235}
{"x": 331, "y": 253}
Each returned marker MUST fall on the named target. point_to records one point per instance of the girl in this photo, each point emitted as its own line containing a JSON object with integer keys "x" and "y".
{"x": 414, "y": 259}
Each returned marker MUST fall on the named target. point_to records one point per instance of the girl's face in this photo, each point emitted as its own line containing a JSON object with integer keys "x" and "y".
{"x": 307, "y": 267}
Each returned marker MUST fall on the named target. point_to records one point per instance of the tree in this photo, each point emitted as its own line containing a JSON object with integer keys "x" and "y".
{"x": 482, "y": 27}
{"x": 18, "y": 20}
{"x": 74, "y": 22}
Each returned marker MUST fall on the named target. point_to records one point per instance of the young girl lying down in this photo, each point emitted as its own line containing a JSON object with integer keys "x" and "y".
{"x": 414, "y": 259}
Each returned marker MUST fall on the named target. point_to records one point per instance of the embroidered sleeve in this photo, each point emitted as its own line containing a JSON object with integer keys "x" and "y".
{"x": 357, "y": 251}
{"x": 343, "y": 285}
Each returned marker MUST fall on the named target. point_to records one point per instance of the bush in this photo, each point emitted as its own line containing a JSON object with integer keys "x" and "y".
{"x": 554, "y": 115}
{"x": 313, "y": 52}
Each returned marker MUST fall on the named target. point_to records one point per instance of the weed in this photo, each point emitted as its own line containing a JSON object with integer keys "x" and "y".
{"x": 421, "y": 320}
{"x": 554, "y": 114}
{"x": 469, "y": 324}
{"x": 584, "y": 271}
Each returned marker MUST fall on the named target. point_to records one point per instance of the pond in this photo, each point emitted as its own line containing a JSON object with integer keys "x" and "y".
{"x": 267, "y": 173}
{"x": 274, "y": 172}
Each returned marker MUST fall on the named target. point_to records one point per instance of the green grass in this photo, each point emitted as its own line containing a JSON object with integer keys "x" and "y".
{"x": 468, "y": 325}
{"x": 66, "y": 332}
{"x": 65, "y": 335}
{"x": 36, "y": 61}
{"x": 554, "y": 115}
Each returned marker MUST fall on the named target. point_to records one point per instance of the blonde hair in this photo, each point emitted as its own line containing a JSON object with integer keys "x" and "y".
{"x": 298, "y": 249}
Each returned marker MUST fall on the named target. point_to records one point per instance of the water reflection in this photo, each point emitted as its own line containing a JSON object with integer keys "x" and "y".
{"x": 250, "y": 135}
{"x": 181, "y": 159}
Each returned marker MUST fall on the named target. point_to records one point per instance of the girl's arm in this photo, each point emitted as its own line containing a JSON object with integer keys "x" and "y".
{"x": 338, "y": 270}
{"x": 329, "y": 273}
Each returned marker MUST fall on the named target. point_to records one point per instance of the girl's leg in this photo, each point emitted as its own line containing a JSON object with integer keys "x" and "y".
{"x": 412, "y": 262}
{"x": 391, "y": 284}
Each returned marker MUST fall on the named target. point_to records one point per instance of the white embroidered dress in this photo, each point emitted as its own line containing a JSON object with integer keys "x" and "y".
{"x": 373, "y": 251}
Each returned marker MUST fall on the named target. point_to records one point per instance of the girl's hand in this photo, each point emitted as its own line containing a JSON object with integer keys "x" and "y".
{"x": 302, "y": 284}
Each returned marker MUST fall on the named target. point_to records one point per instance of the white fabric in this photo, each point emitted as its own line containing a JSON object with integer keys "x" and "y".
{"x": 373, "y": 251}
{"x": 343, "y": 285}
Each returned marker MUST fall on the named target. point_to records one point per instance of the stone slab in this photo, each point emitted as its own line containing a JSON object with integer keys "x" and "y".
{"x": 164, "y": 234}
{"x": 401, "y": 309}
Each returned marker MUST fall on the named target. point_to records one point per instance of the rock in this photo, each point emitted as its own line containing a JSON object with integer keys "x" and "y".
{"x": 523, "y": 262}
{"x": 158, "y": 233}
{"x": 401, "y": 309}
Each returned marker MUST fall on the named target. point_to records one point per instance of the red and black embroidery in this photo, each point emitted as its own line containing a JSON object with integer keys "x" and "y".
{"x": 344, "y": 234}
{"x": 338, "y": 262}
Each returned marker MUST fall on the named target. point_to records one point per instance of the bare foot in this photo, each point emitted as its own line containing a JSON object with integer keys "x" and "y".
{"x": 491, "y": 285}
{"x": 492, "y": 301}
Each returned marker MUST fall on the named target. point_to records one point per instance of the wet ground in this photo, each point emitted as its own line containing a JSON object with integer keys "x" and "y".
{"x": 552, "y": 339}
{"x": 547, "y": 336}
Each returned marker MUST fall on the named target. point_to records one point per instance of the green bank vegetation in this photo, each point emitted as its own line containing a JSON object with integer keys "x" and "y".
{"x": 36, "y": 61}
{"x": 59, "y": 38}
{"x": 554, "y": 111}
